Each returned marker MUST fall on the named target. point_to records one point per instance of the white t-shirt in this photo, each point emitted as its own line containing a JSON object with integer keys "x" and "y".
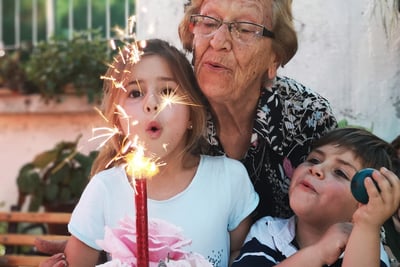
{"x": 219, "y": 197}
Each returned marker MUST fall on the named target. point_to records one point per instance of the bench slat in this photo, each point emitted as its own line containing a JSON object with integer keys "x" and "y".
{"x": 27, "y": 239}
{"x": 36, "y": 217}
{"x": 21, "y": 260}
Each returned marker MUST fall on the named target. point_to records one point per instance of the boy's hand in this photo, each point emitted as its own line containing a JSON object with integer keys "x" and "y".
{"x": 333, "y": 243}
{"x": 382, "y": 204}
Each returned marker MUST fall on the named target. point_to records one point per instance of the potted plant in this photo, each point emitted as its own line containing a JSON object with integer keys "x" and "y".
{"x": 55, "y": 178}
{"x": 13, "y": 78}
{"x": 58, "y": 65}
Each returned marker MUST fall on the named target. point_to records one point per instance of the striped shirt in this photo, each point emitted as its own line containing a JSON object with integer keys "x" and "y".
{"x": 272, "y": 240}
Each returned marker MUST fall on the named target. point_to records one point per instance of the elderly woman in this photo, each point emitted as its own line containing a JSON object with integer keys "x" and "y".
{"x": 264, "y": 120}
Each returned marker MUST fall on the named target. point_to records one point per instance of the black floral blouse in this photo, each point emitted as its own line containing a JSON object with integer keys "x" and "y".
{"x": 289, "y": 116}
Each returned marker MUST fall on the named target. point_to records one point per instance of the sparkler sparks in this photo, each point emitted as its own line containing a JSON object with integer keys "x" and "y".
{"x": 172, "y": 97}
{"x": 128, "y": 56}
{"x": 108, "y": 133}
{"x": 139, "y": 166}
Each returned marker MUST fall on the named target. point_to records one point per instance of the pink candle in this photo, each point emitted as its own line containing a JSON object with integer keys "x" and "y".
{"x": 142, "y": 239}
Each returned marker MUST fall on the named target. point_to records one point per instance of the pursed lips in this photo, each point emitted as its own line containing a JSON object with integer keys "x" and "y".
{"x": 153, "y": 129}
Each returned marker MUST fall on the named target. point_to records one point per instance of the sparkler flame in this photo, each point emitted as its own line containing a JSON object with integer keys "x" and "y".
{"x": 138, "y": 166}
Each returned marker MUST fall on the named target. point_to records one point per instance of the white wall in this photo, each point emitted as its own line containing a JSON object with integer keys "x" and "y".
{"x": 24, "y": 134}
{"x": 159, "y": 19}
{"x": 343, "y": 54}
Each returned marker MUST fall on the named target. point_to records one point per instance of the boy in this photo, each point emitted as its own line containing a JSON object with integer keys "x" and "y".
{"x": 328, "y": 220}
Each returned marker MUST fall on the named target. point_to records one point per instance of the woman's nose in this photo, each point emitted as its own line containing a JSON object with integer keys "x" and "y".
{"x": 151, "y": 104}
{"x": 317, "y": 171}
{"x": 222, "y": 38}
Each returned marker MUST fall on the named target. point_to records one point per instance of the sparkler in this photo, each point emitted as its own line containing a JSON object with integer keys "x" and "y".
{"x": 140, "y": 169}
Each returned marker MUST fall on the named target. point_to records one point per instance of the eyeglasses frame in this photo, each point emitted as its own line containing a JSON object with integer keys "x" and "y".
{"x": 265, "y": 32}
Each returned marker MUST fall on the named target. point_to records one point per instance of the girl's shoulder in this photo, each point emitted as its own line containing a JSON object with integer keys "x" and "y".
{"x": 222, "y": 163}
{"x": 114, "y": 171}
{"x": 110, "y": 176}
{"x": 220, "y": 160}
{"x": 223, "y": 170}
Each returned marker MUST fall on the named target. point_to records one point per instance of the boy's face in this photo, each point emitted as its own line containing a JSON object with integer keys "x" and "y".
{"x": 320, "y": 188}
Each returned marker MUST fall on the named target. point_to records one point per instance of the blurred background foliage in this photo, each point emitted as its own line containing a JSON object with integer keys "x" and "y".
{"x": 117, "y": 14}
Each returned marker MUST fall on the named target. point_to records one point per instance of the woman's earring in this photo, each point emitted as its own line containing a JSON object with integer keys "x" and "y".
{"x": 190, "y": 127}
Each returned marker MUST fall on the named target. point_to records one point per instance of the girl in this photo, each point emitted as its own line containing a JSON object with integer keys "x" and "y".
{"x": 157, "y": 100}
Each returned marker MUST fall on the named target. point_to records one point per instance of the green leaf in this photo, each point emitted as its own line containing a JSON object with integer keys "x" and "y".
{"x": 28, "y": 179}
{"x": 343, "y": 123}
{"x": 78, "y": 183}
{"x": 51, "y": 191}
{"x": 45, "y": 158}
{"x": 65, "y": 195}
{"x": 60, "y": 176}
{"x": 36, "y": 202}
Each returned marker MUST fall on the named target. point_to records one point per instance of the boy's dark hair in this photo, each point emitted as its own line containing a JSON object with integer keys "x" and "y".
{"x": 396, "y": 143}
{"x": 396, "y": 159}
{"x": 373, "y": 151}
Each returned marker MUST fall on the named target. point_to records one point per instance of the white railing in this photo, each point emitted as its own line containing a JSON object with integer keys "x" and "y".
{"x": 50, "y": 11}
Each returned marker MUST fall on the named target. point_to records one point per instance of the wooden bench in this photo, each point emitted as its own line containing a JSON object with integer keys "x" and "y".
{"x": 27, "y": 239}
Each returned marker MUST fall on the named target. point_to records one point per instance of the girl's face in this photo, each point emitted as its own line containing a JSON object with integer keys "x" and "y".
{"x": 320, "y": 187}
{"x": 160, "y": 126}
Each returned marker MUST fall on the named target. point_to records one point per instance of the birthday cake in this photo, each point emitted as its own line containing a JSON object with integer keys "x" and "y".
{"x": 166, "y": 246}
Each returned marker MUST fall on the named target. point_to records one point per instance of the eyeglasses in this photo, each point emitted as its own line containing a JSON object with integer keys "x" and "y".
{"x": 243, "y": 31}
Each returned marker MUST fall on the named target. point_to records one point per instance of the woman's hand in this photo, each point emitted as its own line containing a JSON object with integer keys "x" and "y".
{"x": 50, "y": 247}
{"x": 57, "y": 260}
{"x": 54, "y": 248}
